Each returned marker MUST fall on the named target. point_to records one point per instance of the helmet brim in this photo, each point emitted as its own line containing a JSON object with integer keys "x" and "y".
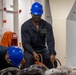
{"x": 37, "y": 13}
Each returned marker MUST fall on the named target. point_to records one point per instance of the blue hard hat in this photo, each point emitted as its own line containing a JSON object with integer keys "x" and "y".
{"x": 36, "y": 9}
{"x": 16, "y": 55}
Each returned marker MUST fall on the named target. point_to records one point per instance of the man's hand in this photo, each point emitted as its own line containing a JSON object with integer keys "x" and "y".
{"x": 23, "y": 62}
{"x": 35, "y": 55}
{"x": 52, "y": 58}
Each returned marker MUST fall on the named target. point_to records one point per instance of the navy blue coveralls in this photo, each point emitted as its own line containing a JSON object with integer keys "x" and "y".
{"x": 34, "y": 40}
{"x": 3, "y": 62}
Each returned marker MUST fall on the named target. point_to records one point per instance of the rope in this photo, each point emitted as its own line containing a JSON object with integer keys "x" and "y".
{"x": 40, "y": 57}
{"x": 58, "y": 61}
{"x": 54, "y": 66}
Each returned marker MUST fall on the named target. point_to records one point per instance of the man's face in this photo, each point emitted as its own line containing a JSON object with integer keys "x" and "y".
{"x": 36, "y": 18}
{"x": 7, "y": 58}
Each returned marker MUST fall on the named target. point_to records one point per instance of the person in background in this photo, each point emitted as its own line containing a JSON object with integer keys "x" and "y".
{"x": 10, "y": 57}
{"x": 35, "y": 34}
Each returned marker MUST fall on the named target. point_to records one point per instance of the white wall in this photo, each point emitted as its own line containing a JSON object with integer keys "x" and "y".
{"x": 71, "y": 43}
{"x": 25, "y": 15}
{"x": 71, "y": 37}
{"x": 60, "y": 10}
{"x": 0, "y": 14}
{"x": 47, "y": 10}
{"x": 9, "y": 25}
{"x": 72, "y": 14}
{"x": 0, "y": 18}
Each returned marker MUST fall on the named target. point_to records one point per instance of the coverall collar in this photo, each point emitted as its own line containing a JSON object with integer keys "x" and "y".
{"x": 33, "y": 26}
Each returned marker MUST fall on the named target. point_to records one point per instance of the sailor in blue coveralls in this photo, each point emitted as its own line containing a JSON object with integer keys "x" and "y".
{"x": 10, "y": 57}
{"x": 35, "y": 34}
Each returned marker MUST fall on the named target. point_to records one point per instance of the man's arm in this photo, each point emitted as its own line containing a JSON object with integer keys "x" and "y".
{"x": 50, "y": 40}
{"x": 26, "y": 40}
